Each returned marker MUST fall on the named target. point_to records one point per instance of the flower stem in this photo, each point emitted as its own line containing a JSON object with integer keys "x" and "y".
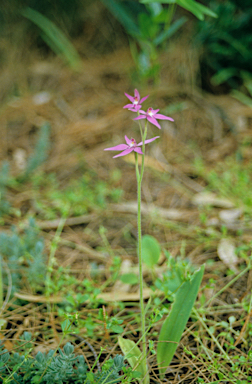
{"x": 140, "y": 264}
{"x": 139, "y": 177}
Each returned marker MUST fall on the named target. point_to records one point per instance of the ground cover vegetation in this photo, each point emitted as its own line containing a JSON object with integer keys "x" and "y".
{"x": 69, "y": 274}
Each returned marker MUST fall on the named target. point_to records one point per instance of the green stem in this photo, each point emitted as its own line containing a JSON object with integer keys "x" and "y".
{"x": 140, "y": 263}
{"x": 172, "y": 9}
{"x": 51, "y": 259}
{"x": 229, "y": 284}
{"x": 139, "y": 177}
{"x": 143, "y": 150}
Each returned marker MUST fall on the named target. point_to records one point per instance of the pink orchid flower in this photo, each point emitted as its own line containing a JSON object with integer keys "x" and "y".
{"x": 135, "y": 100}
{"x": 129, "y": 147}
{"x": 152, "y": 115}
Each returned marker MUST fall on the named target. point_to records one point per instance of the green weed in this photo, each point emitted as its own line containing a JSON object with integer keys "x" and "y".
{"x": 57, "y": 366}
{"x": 81, "y": 195}
{"x": 226, "y": 43}
{"x": 231, "y": 179}
{"x": 25, "y": 256}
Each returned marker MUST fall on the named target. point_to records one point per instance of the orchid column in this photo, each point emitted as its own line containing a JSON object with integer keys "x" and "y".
{"x": 151, "y": 116}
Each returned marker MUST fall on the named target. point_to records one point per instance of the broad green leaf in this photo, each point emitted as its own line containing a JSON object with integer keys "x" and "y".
{"x": 150, "y": 250}
{"x": 174, "y": 325}
{"x": 66, "y": 326}
{"x": 36, "y": 379}
{"x": 117, "y": 329}
{"x": 129, "y": 278}
{"x": 135, "y": 358}
{"x": 148, "y": 28}
{"x": 3, "y": 324}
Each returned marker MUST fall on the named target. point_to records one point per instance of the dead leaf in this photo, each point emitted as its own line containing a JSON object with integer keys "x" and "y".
{"x": 148, "y": 209}
{"x": 38, "y": 299}
{"x": 107, "y": 296}
{"x": 230, "y": 215}
{"x": 128, "y": 296}
{"x": 226, "y": 252}
{"x": 207, "y": 198}
{"x": 7, "y": 343}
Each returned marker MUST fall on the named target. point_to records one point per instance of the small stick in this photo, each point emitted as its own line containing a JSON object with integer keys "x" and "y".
{"x": 91, "y": 348}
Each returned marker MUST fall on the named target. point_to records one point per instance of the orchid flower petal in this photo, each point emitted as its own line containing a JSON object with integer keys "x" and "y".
{"x": 142, "y": 112}
{"x": 128, "y": 106}
{"x": 136, "y": 94}
{"x": 124, "y": 153}
{"x": 154, "y": 111}
{"x": 135, "y": 108}
{"x": 148, "y": 141}
{"x": 128, "y": 141}
{"x": 139, "y": 117}
{"x": 119, "y": 147}
{"x": 163, "y": 117}
{"x": 138, "y": 150}
{"x": 152, "y": 120}
{"x": 143, "y": 99}
{"x": 131, "y": 98}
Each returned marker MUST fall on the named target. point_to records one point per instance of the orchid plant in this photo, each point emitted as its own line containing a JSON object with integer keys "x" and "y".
{"x": 151, "y": 116}
{"x": 174, "y": 325}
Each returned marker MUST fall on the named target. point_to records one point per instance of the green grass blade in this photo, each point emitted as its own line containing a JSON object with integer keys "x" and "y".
{"x": 223, "y": 75}
{"x": 246, "y": 100}
{"x": 174, "y": 325}
{"x": 54, "y": 37}
{"x": 122, "y": 14}
{"x": 169, "y": 32}
{"x": 135, "y": 358}
{"x": 196, "y": 8}
{"x": 192, "y": 6}
{"x": 158, "y": 1}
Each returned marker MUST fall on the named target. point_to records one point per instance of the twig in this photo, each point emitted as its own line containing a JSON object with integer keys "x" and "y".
{"x": 8, "y": 290}
{"x": 91, "y": 348}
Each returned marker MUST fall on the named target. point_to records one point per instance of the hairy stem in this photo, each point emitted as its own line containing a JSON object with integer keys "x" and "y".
{"x": 140, "y": 264}
{"x": 139, "y": 230}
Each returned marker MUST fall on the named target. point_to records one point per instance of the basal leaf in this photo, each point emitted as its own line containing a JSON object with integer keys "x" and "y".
{"x": 174, "y": 325}
{"x": 150, "y": 250}
{"x": 135, "y": 358}
{"x": 129, "y": 278}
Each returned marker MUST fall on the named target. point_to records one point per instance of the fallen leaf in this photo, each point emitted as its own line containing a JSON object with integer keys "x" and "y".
{"x": 230, "y": 215}
{"x": 207, "y": 198}
{"x": 128, "y": 296}
{"x": 107, "y": 296}
{"x": 226, "y": 252}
